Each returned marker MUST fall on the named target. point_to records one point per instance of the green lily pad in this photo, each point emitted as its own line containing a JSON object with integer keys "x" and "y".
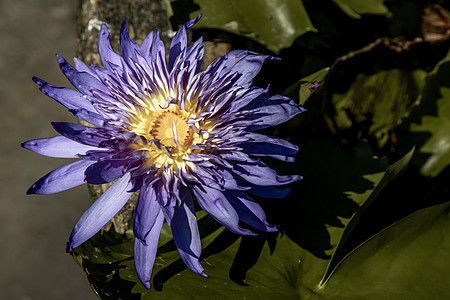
{"x": 408, "y": 260}
{"x": 392, "y": 172}
{"x": 273, "y": 23}
{"x": 378, "y": 101}
{"x": 432, "y": 122}
{"x": 356, "y": 8}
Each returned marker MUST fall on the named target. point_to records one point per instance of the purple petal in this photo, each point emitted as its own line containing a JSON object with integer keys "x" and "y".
{"x": 90, "y": 117}
{"x": 106, "y": 77}
{"x": 177, "y": 46}
{"x": 144, "y": 254}
{"x": 58, "y": 146}
{"x": 82, "y": 81}
{"x": 236, "y": 156}
{"x": 80, "y": 133}
{"x": 216, "y": 204}
{"x": 165, "y": 196}
{"x": 186, "y": 236}
{"x": 194, "y": 57}
{"x": 179, "y": 41}
{"x": 146, "y": 46}
{"x": 229, "y": 181}
{"x": 246, "y": 63}
{"x": 260, "y": 174}
{"x": 158, "y": 52}
{"x": 248, "y": 96}
{"x": 206, "y": 176}
{"x": 192, "y": 22}
{"x": 267, "y": 191}
{"x": 128, "y": 47}
{"x": 249, "y": 211}
{"x": 270, "y": 111}
{"x": 105, "y": 171}
{"x": 160, "y": 74}
{"x": 81, "y": 67}
{"x": 263, "y": 145}
{"x": 68, "y": 98}
{"x": 61, "y": 179}
{"x": 107, "y": 54}
{"x": 101, "y": 211}
{"x": 146, "y": 212}
{"x": 168, "y": 210}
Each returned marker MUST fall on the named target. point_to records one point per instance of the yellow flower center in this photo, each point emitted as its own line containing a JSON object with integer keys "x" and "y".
{"x": 171, "y": 130}
{"x": 168, "y": 126}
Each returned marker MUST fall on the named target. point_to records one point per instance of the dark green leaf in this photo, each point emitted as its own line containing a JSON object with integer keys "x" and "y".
{"x": 428, "y": 126}
{"x": 273, "y": 23}
{"x": 310, "y": 84}
{"x": 408, "y": 260}
{"x": 356, "y": 8}
{"x": 378, "y": 101}
{"x": 392, "y": 172}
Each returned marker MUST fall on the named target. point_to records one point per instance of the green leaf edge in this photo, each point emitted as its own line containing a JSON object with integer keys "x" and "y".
{"x": 392, "y": 172}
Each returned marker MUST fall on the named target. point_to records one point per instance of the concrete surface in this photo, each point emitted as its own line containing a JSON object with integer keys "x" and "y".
{"x": 34, "y": 229}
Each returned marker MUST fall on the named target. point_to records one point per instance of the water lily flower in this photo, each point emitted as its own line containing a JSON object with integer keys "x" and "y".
{"x": 171, "y": 132}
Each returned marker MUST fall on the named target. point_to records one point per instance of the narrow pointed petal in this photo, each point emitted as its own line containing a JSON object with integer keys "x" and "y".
{"x": 61, "y": 179}
{"x": 263, "y": 145}
{"x": 246, "y": 63}
{"x": 82, "y": 81}
{"x": 147, "y": 45}
{"x": 249, "y": 211}
{"x": 146, "y": 212}
{"x": 216, "y": 204}
{"x": 194, "y": 57}
{"x": 81, "y": 133}
{"x": 168, "y": 210}
{"x": 105, "y": 171}
{"x": 266, "y": 191}
{"x": 246, "y": 97}
{"x": 157, "y": 46}
{"x": 266, "y": 112}
{"x": 82, "y": 67}
{"x": 177, "y": 46}
{"x": 90, "y": 117}
{"x": 186, "y": 236}
{"x": 128, "y": 47}
{"x": 68, "y": 98}
{"x": 158, "y": 52}
{"x": 160, "y": 75}
{"x": 192, "y": 22}
{"x": 260, "y": 174}
{"x": 144, "y": 254}
{"x": 179, "y": 42}
{"x": 108, "y": 56}
{"x": 165, "y": 197}
{"x": 101, "y": 211}
{"x": 58, "y": 146}
{"x": 249, "y": 65}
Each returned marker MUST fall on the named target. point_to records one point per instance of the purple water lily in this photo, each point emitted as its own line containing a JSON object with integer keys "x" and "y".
{"x": 167, "y": 130}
